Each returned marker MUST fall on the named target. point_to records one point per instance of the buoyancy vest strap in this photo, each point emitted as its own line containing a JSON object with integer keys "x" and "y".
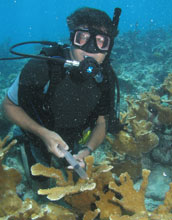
{"x": 55, "y": 75}
{"x": 55, "y": 70}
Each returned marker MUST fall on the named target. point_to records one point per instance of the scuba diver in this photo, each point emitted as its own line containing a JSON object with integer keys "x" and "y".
{"x": 54, "y": 104}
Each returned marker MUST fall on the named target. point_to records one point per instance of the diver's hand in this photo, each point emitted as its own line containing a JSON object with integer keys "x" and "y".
{"x": 80, "y": 157}
{"x": 52, "y": 140}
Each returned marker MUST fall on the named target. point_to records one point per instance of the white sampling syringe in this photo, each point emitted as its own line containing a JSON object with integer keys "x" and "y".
{"x": 73, "y": 162}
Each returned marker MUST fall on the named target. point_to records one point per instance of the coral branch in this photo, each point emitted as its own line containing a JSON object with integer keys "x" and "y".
{"x": 132, "y": 200}
{"x": 57, "y": 193}
{"x": 91, "y": 215}
{"x": 3, "y": 149}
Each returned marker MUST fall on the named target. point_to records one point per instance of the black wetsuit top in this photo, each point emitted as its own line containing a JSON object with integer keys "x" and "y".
{"x": 73, "y": 104}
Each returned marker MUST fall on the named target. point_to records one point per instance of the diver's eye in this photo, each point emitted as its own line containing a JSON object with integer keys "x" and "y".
{"x": 103, "y": 42}
{"x": 81, "y": 38}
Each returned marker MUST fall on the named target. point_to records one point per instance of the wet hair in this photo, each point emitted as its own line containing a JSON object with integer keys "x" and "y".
{"x": 90, "y": 17}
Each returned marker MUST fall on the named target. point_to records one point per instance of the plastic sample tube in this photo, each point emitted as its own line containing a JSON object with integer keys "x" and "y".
{"x": 73, "y": 162}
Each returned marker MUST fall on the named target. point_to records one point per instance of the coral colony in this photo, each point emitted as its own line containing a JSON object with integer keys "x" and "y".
{"x": 120, "y": 200}
{"x": 81, "y": 195}
{"x": 123, "y": 173}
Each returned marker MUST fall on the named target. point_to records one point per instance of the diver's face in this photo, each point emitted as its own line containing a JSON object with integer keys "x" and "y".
{"x": 89, "y": 42}
{"x": 79, "y": 55}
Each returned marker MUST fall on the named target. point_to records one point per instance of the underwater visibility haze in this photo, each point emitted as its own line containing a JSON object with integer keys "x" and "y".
{"x": 24, "y": 20}
{"x": 130, "y": 174}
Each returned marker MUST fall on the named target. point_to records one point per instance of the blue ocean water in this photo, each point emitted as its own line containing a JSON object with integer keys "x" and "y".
{"x": 140, "y": 62}
{"x": 22, "y": 20}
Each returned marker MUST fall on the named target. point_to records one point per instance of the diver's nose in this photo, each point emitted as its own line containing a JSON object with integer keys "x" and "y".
{"x": 90, "y": 46}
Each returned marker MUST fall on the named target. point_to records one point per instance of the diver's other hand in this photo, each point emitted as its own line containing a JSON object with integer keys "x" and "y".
{"x": 80, "y": 157}
{"x": 52, "y": 140}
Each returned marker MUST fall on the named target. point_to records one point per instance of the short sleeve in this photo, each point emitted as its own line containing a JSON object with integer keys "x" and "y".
{"x": 13, "y": 91}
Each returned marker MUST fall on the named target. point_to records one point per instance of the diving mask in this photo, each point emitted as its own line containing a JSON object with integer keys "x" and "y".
{"x": 91, "y": 40}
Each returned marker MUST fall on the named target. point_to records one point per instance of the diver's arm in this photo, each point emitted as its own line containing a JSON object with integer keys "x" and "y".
{"x": 98, "y": 133}
{"x": 97, "y": 136}
{"x": 19, "y": 117}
